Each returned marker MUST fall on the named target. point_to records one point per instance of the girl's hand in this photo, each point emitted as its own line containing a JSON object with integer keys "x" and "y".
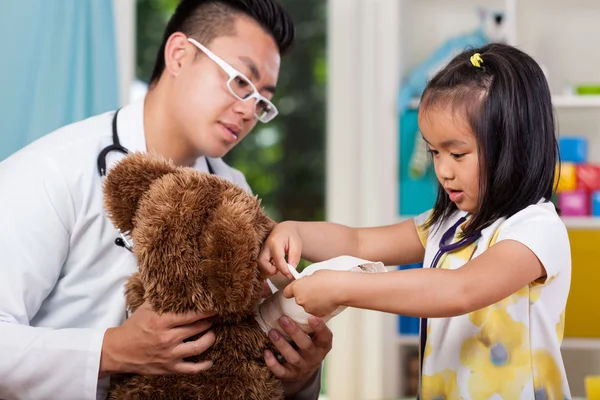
{"x": 282, "y": 241}
{"x": 316, "y": 293}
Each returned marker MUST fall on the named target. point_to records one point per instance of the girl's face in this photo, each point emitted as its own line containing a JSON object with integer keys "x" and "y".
{"x": 453, "y": 146}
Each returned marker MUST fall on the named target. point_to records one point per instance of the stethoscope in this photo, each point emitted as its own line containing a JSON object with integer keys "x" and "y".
{"x": 445, "y": 248}
{"x": 116, "y": 145}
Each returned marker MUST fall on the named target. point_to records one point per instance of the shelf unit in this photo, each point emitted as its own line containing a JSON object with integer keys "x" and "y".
{"x": 371, "y": 44}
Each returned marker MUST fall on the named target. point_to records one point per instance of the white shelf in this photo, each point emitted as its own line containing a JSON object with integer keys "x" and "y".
{"x": 576, "y": 101}
{"x": 582, "y": 222}
{"x": 581, "y": 344}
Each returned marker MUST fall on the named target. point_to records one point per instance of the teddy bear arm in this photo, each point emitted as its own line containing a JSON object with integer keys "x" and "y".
{"x": 134, "y": 292}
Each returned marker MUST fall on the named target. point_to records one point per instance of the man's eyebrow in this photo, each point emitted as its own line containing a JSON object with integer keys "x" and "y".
{"x": 254, "y": 72}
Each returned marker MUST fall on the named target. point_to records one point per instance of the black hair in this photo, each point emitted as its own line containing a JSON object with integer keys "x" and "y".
{"x": 507, "y": 103}
{"x": 205, "y": 20}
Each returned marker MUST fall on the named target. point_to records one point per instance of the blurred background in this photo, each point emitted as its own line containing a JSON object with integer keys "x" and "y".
{"x": 346, "y": 145}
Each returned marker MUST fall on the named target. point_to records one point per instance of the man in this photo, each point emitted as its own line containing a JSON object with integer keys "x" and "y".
{"x": 63, "y": 325}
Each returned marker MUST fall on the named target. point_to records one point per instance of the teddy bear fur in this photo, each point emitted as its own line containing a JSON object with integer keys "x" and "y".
{"x": 196, "y": 240}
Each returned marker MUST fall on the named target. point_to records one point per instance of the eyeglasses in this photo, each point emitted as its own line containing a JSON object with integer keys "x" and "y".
{"x": 241, "y": 87}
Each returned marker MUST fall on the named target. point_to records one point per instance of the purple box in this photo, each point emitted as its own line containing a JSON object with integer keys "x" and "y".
{"x": 574, "y": 204}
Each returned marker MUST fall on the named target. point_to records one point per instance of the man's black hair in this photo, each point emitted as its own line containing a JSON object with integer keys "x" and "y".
{"x": 205, "y": 20}
{"x": 508, "y": 105}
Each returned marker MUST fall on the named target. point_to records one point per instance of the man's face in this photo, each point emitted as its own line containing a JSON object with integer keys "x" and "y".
{"x": 208, "y": 116}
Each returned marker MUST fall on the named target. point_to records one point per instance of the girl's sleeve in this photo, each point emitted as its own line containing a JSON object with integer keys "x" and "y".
{"x": 540, "y": 229}
{"x": 422, "y": 230}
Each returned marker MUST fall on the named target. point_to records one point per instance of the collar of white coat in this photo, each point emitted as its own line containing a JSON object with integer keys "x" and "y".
{"x": 130, "y": 128}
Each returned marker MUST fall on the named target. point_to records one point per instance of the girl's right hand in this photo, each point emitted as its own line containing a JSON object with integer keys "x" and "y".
{"x": 283, "y": 240}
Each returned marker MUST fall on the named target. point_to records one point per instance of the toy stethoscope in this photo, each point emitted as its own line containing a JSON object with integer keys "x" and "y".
{"x": 445, "y": 248}
{"x": 116, "y": 145}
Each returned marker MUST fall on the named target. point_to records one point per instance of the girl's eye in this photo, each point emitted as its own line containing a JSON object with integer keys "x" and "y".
{"x": 433, "y": 152}
{"x": 457, "y": 155}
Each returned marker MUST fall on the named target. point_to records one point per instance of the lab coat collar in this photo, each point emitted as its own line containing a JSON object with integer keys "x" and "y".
{"x": 130, "y": 127}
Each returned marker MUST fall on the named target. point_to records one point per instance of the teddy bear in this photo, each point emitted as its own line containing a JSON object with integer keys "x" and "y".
{"x": 196, "y": 240}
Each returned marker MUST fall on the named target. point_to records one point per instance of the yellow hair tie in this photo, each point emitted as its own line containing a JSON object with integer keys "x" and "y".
{"x": 476, "y": 60}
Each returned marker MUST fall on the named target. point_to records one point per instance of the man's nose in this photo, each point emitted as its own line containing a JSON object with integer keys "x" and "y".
{"x": 246, "y": 108}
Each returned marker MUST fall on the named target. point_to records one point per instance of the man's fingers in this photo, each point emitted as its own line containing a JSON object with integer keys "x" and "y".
{"x": 278, "y": 370}
{"x": 190, "y": 368}
{"x": 195, "y": 328}
{"x": 171, "y": 320}
{"x": 322, "y": 337}
{"x": 302, "y": 340}
{"x": 195, "y": 347}
{"x": 286, "y": 350}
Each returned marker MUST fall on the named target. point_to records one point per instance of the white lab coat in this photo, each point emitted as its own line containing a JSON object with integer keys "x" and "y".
{"x": 61, "y": 274}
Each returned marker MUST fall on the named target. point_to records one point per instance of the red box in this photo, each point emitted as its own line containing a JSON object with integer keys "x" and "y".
{"x": 588, "y": 177}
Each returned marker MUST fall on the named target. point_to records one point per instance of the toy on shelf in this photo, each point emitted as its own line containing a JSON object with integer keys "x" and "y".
{"x": 575, "y": 203}
{"x": 573, "y": 149}
{"x": 578, "y": 181}
{"x": 567, "y": 177}
{"x": 596, "y": 203}
{"x": 589, "y": 89}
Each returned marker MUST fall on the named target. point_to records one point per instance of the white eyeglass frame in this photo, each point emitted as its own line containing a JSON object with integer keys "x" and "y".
{"x": 234, "y": 73}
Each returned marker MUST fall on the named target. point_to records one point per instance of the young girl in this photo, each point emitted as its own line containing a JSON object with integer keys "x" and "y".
{"x": 497, "y": 260}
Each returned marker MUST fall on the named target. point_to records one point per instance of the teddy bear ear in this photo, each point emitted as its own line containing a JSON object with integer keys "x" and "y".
{"x": 126, "y": 183}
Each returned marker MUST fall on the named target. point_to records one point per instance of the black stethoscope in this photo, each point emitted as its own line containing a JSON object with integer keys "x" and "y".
{"x": 101, "y": 162}
{"x": 445, "y": 248}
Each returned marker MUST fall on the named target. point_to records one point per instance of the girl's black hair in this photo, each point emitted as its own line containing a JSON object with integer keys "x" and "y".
{"x": 205, "y": 20}
{"x": 508, "y": 105}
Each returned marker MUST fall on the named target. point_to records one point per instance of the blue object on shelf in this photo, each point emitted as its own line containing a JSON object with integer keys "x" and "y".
{"x": 416, "y": 195}
{"x": 596, "y": 203}
{"x": 573, "y": 149}
{"x": 409, "y": 325}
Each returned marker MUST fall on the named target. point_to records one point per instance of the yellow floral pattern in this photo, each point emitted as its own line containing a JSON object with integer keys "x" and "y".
{"x": 440, "y": 386}
{"x": 502, "y": 351}
{"x": 497, "y": 357}
{"x": 427, "y": 351}
{"x": 547, "y": 378}
{"x": 560, "y": 327}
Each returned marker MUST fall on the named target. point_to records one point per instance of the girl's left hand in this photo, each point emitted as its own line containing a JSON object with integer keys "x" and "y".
{"x": 316, "y": 293}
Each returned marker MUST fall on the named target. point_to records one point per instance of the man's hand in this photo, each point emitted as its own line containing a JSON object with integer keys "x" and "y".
{"x": 148, "y": 343}
{"x": 299, "y": 365}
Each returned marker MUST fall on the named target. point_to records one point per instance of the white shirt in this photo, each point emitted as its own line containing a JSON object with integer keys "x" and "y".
{"x": 61, "y": 274}
{"x": 510, "y": 349}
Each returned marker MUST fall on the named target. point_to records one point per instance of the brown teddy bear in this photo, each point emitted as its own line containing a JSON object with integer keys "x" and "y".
{"x": 196, "y": 238}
